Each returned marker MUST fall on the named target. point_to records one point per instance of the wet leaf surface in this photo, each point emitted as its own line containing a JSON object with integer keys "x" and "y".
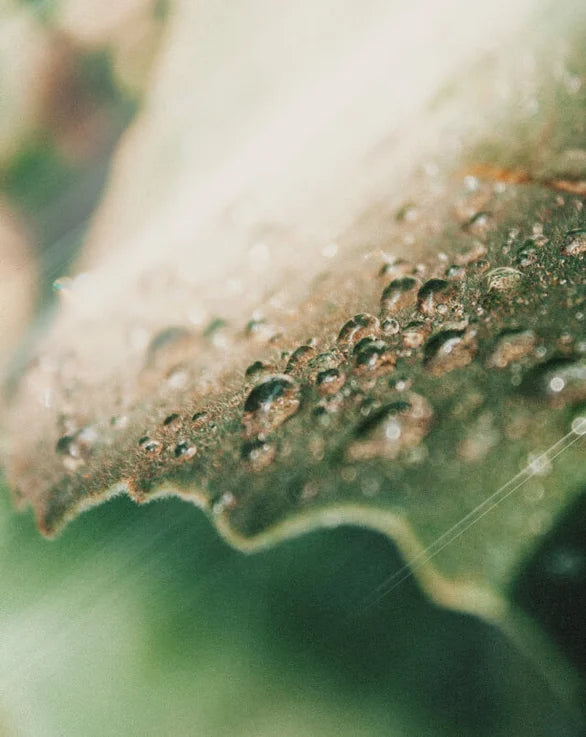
{"x": 289, "y": 360}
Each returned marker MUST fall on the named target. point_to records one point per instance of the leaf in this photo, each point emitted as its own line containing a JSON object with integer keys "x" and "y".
{"x": 419, "y": 329}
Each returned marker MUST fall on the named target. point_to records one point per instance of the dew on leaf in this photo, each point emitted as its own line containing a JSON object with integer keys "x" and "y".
{"x": 398, "y": 295}
{"x": 450, "y": 349}
{"x": 269, "y": 404}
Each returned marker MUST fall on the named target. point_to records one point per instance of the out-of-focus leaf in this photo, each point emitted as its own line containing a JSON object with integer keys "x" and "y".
{"x": 465, "y": 363}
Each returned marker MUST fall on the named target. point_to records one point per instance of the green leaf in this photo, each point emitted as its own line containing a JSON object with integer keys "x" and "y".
{"x": 422, "y": 365}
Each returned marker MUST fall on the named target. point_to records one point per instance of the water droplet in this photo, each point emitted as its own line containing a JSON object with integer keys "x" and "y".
{"x": 184, "y": 450}
{"x": 258, "y": 453}
{"x": 433, "y": 293}
{"x": 511, "y": 345}
{"x": 449, "y": 350}
{"x": 390, "y": 326}
{"x": 330, "y": 381}
{"x": 259, "y": 329}
{"x": 396, "y": 268}
{"x": 168, "y": 338}
{"x": 503, "y": 279}
{"x": 172, "y": 422}
{"x": 258, "y": 370}
{"x": 560, "y": 380}
{"x": 398, "y": 295}
{"x": 299, "y": 358}
{"x": 480, "y": 223}
{"x": 395, "y": 427}
{"x": 455, "y": 271}
{"x": 77, "y": 447}
{"x": 481, "y": 436}
{"x": 415, "y": 333}
{"x": 474, "y": 253}
{"x": 407, "y": 213}
{"x": 152, "y": 447}
{"x": 200, "y": 419}
{"x": 575, "y": 242}
{"x": 360, "y": 326}
{"x": 226, "y": 502}
{"x": 527, "y": 254}
{"x": 269, "y": 404}
{"x": 373, "y": 357}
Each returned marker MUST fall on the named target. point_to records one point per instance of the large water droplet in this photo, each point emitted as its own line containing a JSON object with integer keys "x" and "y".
{"x": 269, "y": 404}
{"x": 398, "y": 295}
{"x": 560, "y": 380}
{"x": 449, "y": 350}
{"x": 395, "y": 427}
{"x": 511, "y": 345}
{"x": 77, "y": 447}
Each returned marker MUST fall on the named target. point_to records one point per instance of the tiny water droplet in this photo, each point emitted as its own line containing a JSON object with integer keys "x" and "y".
{"x": 184, "y": 450}
{"x": 299, "y": 359}
{"x": 390, "y": 326}
{"x": 269, "y": 404}
{"x": 449, "y": 350}
{"x": 358, "y": 327}
{"x": 258, "y": 453}
{"x": 373, "y": 357}
{"x": 152, "y": 447}
{"x": 259, "y": 369}
{"x": 527, "y": 254}
{"x": 398, "y": 295}
{"x": 433, "y": 293}
{"x": 396, "y": 268}
{"x": 479, "y": 224}
{"x": 172, "y": 421}
{"x": 330, "y": 381}
{"x": 574, "y": 242}
{"x": 455, "y": 271}
{"x": 415, "y": 333}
